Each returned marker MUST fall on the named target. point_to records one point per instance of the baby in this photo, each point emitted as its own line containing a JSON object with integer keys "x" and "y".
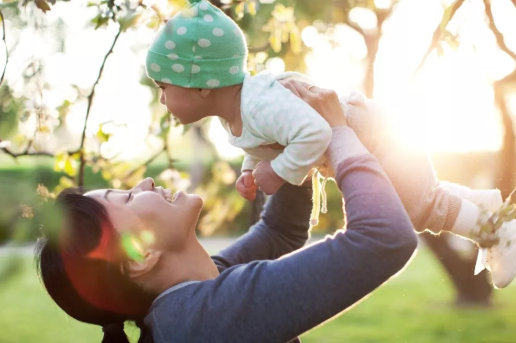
{"x": 198, "y": 60}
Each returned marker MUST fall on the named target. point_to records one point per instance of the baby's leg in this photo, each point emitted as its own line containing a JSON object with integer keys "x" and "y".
{"x": 489, "y": 199}
{"x": 411, "y": 172}
{"x": 432, "y": 204}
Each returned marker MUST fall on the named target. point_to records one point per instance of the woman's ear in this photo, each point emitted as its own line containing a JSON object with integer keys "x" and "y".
{"x": 204, "y": 92}
{"x": 146, "y": 264}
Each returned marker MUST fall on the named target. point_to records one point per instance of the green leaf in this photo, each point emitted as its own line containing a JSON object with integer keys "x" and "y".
{"x": 446, "y": 17}
{"x": 59, "y": 161}
{"x": 66, "y": 182}
{"x": 70, "y": 166}
{"x": 99, "y": 21}
{"x": 154, "y": 22}
{"x": 239, "y": 11}
{"x": 295, "y": 41}
{"x": 44, "y": 129}
{"x": 251, "y": 8}
{"x": 164, "y": 125}
{"x": 129, "y": 20}
{"x": 102, "y": 136}
{"x": 275, "y": 41}
{"x": 43, "y": 5}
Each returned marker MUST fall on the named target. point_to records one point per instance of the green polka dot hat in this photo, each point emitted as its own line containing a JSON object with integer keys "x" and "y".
{"x": 200, "y": 47}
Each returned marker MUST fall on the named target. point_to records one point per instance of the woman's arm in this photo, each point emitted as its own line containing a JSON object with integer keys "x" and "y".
{"x": 282, "y": 228}
{"x": 275, "y": 301}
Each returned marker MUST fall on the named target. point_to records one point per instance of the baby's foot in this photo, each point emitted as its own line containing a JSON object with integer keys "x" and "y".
{"x": 489, "y": 199}
{"x": 501, "y": 258}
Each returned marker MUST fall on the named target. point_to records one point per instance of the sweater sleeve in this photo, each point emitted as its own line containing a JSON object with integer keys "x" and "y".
{"x": 283, "y": 118}
{"x": 282, "y": 228}
{"x": 276, "y": 301}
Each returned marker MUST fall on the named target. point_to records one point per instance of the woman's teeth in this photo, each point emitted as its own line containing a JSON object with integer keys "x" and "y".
{"x": 167, "y": 193}
{"x": 169, "y": 196}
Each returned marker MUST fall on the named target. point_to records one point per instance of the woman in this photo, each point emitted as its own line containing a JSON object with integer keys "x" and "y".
{"x": 256, "y": 290}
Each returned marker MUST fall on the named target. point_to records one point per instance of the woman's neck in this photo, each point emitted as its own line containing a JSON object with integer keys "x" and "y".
{"x": 191, "y": 264}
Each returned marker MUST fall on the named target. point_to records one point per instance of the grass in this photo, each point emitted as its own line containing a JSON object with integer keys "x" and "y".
{"x": 413, "y": 307}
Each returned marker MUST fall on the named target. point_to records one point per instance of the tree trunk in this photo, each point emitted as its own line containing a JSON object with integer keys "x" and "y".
{"x": 507, "y": 155}
{"x": 372, "y": 42}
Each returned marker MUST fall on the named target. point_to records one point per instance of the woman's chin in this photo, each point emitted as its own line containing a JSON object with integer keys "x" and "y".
{"x": 196, "y": 201}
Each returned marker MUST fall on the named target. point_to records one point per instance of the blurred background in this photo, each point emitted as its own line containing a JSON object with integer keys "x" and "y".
{"x": 76, "y": 109}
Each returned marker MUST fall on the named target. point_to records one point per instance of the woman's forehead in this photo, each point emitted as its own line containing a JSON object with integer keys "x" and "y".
{"x": 96, "y": 193}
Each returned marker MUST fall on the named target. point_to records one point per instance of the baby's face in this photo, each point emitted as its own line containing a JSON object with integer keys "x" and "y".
{"x": 185, "y": 104}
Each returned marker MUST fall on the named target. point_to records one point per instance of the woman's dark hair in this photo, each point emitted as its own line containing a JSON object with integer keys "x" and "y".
{"x": 80, "y": 262}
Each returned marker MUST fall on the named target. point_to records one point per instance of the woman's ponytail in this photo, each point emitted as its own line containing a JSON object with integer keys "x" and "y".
{"x": 114, "y": 333}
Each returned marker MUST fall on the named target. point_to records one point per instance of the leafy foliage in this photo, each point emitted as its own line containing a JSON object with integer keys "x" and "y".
{"x": 273, "y": 29}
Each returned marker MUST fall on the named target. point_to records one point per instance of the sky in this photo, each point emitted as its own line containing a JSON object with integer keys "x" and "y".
{"x": 448, "y": 107}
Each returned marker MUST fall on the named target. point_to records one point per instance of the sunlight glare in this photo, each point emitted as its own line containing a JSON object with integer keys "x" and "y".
{"x": 364, "y": 17}
{"x": 310, "y": 35}
{"x": 276, "y": 65}
{"x": 450, "y": 105}
{"x": 382, "y": 4}
{"x": 219, "y": 137}
{"x": 350, "y": 40}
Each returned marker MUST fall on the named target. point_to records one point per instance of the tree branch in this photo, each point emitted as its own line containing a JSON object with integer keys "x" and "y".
{"x": 5, "y": 45}
{"x": 507, "y": 153}
{"x": 437, "y": 37}
{"x": 499, "y": 36}
{"x": 168, "y": 151}
{"x": 146, "y": 163}
{"x": 80, "y": 180}
{"x": 259, "y": 48}
{"x": 355, "y": 27}
{"x": 24, "y": 153}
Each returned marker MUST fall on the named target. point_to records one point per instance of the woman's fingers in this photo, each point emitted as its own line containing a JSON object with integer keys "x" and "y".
{"x": 288, "y": 84}
{"x": 324, "y": 101}
{"x": 302, "y": 90}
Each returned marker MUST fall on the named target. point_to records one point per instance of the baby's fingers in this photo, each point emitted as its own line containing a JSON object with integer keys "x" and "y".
{"x": 249, "y": 195}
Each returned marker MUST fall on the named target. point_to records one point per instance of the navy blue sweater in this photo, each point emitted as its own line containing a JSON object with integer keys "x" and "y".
{"x": 271, "y": 289}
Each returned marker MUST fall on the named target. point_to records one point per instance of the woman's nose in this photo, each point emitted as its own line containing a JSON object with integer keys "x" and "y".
{"x": 146, "y": 184}
{"x": 162, "y": 98}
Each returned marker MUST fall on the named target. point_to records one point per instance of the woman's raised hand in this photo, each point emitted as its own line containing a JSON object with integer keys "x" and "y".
{"x": 324, "y": 101}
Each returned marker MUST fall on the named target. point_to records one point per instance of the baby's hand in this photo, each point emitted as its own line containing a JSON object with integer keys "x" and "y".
{"x": 245, "y": 185}
{"x": 266, "y": 178}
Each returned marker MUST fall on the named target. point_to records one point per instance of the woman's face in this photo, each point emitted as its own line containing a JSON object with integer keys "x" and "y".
{"x": 169, "y": 218}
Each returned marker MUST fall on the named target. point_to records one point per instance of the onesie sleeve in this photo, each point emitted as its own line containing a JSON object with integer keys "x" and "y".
{"x": 249, "y": 162}
{"x": 282, "y": 117}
